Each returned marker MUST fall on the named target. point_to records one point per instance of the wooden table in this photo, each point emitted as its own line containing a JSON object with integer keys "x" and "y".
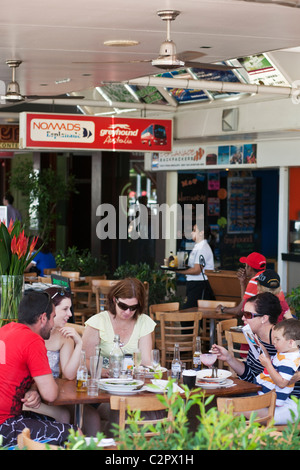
{"x": 211, "y": 315}
{"x": 68, "y": 395}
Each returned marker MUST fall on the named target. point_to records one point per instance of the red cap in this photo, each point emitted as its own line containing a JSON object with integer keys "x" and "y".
{"x": 255, "y": 260}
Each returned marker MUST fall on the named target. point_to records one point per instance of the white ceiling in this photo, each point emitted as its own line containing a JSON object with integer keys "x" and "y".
{"x": 50, "y": 38}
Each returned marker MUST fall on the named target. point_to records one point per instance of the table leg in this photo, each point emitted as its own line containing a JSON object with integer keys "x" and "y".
{"x": 79, "y": 415}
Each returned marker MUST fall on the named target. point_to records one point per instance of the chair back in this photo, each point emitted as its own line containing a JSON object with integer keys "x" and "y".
{"x": 235, "y": 340}
{"x": 166, "y": 307}
{"x": 24, "y": 441}
{"x": 71, "y": 274}
{"x": 142, "y": 403}
{"x": 172, "y": 331}
{"x": 101, "y": 288}
{"x": 222, "y": 326}
{"x": 44, "y": 279}
{"x": 205, "y": 332}
{"x": 240, "y": 405}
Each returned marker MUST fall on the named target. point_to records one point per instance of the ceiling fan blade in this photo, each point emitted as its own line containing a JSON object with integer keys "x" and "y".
{"x": 54, "y": 97}
{"x": 201, "y": 65}
{"x": 115, "y": 62}
{"x": 189, "y": 55}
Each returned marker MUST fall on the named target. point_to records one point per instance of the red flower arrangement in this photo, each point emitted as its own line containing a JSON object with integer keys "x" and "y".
{"x": 15, "y": 250}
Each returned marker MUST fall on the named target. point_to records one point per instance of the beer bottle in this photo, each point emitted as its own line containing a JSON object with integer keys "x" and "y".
{"x": 197, "y": 354}
{"x": 171, "y": 260}
{"x": 82, "y": 374}
{"x": 176, "y": 364}
{"x": 116, "y": 358}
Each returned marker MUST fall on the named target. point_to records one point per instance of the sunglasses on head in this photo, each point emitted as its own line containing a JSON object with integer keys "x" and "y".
{"x": 250, "y": 315}
{"x": 125, "y": 307}
{"x": 62, "y": 292}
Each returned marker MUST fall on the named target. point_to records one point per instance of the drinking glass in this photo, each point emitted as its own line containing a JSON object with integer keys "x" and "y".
{"x": 155, "y": 358}
{"x": 96, "y": 367}
{"x": 208, "y": 359}
{"x": 137, "y": 358}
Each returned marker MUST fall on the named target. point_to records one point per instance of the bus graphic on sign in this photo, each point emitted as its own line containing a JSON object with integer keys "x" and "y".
{"x": 155, "y": 134}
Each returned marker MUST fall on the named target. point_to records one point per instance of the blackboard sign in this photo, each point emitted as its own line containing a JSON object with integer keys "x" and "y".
{"x": 61, "y": 281}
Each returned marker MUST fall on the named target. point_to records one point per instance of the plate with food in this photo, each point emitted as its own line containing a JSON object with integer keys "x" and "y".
{"x": 159, "y": 386}
{"x": 150, "y": 371}
{"x": 206, "y": 375}
{"x": 206, "y": 384}
{"x": 120, "y": 387}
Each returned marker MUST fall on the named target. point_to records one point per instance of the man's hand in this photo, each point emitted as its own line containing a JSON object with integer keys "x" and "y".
{"x": 32, "y": 399}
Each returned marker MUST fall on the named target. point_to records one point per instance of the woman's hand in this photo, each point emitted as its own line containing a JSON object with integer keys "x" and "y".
{"x": 221, "y": 352}
{"x": 70, "y": 332}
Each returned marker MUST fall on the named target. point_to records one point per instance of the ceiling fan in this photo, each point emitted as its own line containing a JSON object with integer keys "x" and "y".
{"x": 13, "y": 94}
{"x": 168, "y": 59}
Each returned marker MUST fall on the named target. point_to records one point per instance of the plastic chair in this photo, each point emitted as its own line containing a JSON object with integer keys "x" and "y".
{"x": 223, "y": 326}
{"x": 142, "y": 403}
{"x": 172, "y": 332}
{"x": 24, "y": 441}
{"x": 235, "y": 340}
{"x": 166, "y": 307}
{"x": 240, "y": 405}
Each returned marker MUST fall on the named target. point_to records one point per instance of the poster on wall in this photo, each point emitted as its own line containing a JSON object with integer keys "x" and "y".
{"x": 241, "y": 205}
{"x": 195, "y": 157}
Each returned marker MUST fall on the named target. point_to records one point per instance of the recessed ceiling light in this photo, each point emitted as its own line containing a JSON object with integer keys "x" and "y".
{"x": 121, "y": 43}
{"x": 63, "y": 80}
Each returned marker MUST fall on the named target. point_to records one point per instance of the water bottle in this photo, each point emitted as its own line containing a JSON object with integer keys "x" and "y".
{"x": 116, "y": 358}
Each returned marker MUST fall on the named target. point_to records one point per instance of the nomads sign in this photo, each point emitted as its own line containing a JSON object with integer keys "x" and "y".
{"x": 69, "y": 131}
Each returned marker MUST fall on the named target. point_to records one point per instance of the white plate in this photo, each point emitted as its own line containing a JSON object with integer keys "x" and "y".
{"x": 149, "y": 373}
{"x": 159, "y": 386}
{"x": 206, "y": 374}
{"x": 110, "y": 385}
{"x": 121, "y": 391}
{"x": 226, "y": 383}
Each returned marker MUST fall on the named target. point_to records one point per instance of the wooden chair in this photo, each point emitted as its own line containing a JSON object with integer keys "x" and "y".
{"x": 166, "y": 307}
{"x": 30, "y": 277}
{"x": 240, "y": 405}
{"x": 142, "y": 403}
{"x": 101, "y": 288}
{"x": 49, "y": 271}
{"x": 71, "y": 274}
{"x": 205, "y": 336}
{"x": 83, "y": 295}
{"x": 172, "y": 331}
{"x": 24, "y": 441}
{"x": 44, "y": 279}
{"x": 222, "y": 326}
{"x": 234, "y": 341}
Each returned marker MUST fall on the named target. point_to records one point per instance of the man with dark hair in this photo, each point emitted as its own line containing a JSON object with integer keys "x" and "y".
{"x": 12, "y": 212}
{"x": 25, "y": 374}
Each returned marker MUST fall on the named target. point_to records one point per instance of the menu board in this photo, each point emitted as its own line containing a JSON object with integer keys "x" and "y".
{"x": 241, "y": 205}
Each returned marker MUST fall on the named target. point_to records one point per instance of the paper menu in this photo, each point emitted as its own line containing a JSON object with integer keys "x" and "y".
{"x": 252, "y": 341}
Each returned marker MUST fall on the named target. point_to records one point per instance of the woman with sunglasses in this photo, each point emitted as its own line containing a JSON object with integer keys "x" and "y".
{"x": 261, "y": 313}
{"x": 124, "y": 316}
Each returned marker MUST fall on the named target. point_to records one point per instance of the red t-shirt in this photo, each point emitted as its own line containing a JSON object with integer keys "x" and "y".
{"x": 23, "y": 355}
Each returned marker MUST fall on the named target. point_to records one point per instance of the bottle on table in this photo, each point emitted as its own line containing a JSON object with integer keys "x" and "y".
{"x": 116, "y": 358}
{"x": 82, "y": 374}
{"x": 197, "y": 355}
{"x": 176, "y": 363}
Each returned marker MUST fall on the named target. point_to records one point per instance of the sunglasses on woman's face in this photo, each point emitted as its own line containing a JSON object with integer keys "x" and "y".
{"x": 125, "y": 307}
{"x": 250, "y": 315}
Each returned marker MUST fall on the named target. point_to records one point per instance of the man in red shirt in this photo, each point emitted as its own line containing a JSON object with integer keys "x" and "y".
{"x": 25, "y": 374}
{"x": 255, "y": 263}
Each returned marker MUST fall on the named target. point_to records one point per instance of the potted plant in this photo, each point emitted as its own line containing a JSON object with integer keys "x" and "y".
{"x": 293, "y": 299}
{"x": 82, "y": 261}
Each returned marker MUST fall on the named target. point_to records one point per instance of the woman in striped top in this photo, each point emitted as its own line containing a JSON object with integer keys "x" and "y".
{"x": 261, "y": 313}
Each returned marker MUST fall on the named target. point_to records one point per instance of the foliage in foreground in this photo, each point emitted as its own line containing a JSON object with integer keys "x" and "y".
{"x": 216, "y": 430}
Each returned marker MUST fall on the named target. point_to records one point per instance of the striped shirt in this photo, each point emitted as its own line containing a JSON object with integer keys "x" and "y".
{"x": 253, "y": 367}
{"x": 286, "y": 364}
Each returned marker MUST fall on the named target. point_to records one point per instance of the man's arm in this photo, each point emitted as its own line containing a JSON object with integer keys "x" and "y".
{"x": 47, "y": 387}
